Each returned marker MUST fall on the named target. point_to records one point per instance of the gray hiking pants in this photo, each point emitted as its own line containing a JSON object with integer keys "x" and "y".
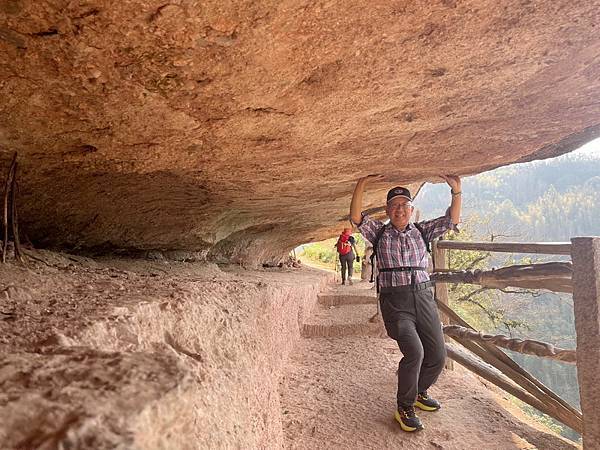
{"x": 411, "y": 319}
{"x": 346, "y": 261}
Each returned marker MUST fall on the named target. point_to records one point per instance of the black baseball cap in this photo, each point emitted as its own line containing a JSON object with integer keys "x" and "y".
{"x": 398, "y": 191}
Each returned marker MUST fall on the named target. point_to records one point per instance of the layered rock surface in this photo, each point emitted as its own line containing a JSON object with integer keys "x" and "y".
{"x": 238, "y": 128}
{"x": 130, "y": 354}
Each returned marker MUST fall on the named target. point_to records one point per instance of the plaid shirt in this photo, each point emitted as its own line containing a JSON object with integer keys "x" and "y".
{"x": 403, "y": 248}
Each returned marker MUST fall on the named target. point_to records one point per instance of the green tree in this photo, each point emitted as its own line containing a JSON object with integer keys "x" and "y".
{"x": 479, "y": 306}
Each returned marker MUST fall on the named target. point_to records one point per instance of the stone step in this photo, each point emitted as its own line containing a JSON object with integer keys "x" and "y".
{"x": 359, "y": 293}
{"x": 343, "y": 320}
{"x": 351, "y": 298}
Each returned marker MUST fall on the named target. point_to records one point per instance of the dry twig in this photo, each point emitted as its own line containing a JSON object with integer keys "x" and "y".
{"x": 10, "y": 216}
{"x": 7, "y": 188}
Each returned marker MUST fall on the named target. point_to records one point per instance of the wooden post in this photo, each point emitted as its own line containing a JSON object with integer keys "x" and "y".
{"x": 585, "y": 253}
{"x": 365, "y": 274}
{"x": 441, "y": 289}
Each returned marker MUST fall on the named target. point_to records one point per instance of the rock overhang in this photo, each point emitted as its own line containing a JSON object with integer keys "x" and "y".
{"x": 238, "y": 129}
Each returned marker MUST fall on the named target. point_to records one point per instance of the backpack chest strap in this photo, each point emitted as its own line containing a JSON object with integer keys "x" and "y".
{"x": 400, "y": 269}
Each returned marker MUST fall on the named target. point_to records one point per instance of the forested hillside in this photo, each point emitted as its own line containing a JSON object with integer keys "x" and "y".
{"x": 545, "y": 200}
{"x": 550, "y": 200}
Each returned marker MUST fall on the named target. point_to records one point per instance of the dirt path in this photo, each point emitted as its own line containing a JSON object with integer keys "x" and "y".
{"x": 339, "y": 392}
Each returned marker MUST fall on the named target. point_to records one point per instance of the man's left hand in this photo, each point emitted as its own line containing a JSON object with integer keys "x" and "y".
{"x": 453, "y": 181}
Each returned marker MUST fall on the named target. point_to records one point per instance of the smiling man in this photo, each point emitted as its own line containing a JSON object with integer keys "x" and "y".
{"x": 406, "y": 297}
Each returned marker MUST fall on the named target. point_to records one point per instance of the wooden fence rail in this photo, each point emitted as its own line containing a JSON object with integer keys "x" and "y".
{"x": 553, "y": 276}
{"x": 525, "y": 346}
{"x": 493, "y": 375}
{"x": 547, "y": 248}
{"x": 582, "y": 278}
{"x": 554, "y": 405}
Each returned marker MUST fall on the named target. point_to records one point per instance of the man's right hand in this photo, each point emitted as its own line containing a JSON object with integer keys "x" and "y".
{"x": 357, "y": 196}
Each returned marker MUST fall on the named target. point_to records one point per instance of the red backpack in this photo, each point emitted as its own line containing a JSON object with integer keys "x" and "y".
{"x": 343, "y": 246}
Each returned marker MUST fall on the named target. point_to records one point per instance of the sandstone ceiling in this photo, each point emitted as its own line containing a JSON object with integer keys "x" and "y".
{"x": 241, "y": 126}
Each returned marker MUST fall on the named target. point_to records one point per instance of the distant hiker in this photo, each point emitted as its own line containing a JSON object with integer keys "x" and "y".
{"x": 406, "y": 297}
{"x": 344, "y": 245}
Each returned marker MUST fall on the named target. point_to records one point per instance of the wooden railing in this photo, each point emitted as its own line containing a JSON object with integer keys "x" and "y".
{"x": 545, "y": 248}
{"x": 581, "y": 277}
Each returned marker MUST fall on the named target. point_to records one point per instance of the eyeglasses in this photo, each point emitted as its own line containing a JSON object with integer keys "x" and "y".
{"x": 401, "y": 206}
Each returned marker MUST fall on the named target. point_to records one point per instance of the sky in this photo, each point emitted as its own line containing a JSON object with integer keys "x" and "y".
{"x": 592, "y": 148}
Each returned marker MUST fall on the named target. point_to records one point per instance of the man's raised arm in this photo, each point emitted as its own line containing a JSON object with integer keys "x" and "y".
{"x": 357, "y": 197}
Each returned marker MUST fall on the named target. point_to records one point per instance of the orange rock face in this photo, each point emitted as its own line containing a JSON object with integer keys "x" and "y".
{"x": 238, "y": 128}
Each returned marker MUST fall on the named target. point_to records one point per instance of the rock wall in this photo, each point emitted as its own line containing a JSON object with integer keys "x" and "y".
{"x": 172, "y": 356}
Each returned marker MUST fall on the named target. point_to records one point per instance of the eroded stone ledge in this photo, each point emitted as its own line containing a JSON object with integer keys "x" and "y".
{"x": 171, "y": 353}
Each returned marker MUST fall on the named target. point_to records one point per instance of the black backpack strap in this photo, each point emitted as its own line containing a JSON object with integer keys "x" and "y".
{"x": 378, "y": 237}
{"x": 374, "y": 254}
{"x": 427, "y": 243}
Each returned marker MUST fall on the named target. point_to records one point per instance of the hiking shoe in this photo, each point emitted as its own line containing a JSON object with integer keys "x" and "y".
{"x": 343, "y": 281}
{"x": 350, "y": 281}
{"x": 426, "y": 403}
{"x": 407, "y": 419}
